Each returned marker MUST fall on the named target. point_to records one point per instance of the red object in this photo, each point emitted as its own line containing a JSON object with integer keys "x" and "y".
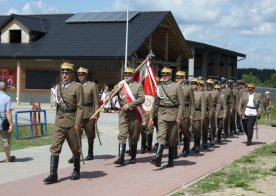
{"x": 8, "y": 75}
{"x": 147, "y": 77}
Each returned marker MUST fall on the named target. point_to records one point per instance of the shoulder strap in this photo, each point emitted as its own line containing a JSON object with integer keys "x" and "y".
{"x": 167, "y": 95}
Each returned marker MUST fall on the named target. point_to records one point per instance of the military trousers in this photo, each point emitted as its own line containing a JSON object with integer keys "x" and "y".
{"x": 185, "y": 126}
{"x": 226, "y": 125}
{"x": 232, "y": 122}
{"x": 89, "y": 128}
{"x": 220, "y": 127}
{"x": 248, "y": 125}
{"x": 62, "y": 133}
{"x": 205, "y": 129}
{"x": 129, "y": 127}
{"x": 197, "y": 128}
{"x": 167, "y": 131}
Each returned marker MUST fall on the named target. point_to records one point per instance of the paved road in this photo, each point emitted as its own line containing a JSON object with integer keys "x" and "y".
{"x": 102, "y": 177}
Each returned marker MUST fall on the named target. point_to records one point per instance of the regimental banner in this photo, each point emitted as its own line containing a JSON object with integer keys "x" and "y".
{"x": 8, "y": 75}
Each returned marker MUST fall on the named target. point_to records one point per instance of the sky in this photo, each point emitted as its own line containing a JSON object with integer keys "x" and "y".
{"x": 244, "y": 26}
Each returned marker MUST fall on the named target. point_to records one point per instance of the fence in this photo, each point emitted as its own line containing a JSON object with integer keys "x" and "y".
{"x": 262, "y": 90}
{"x": 32, "y": 122}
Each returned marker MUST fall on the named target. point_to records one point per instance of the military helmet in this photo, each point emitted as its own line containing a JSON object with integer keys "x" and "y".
{"x": 251, "y": 86}
{"x": 217, "y": 86}
{"x": 210, "y": 81}
{"x": 194, "y": 80}
{"x": 201, "y": 82}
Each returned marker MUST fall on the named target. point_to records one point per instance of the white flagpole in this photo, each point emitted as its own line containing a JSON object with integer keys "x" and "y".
{"x": 126, "y": 48}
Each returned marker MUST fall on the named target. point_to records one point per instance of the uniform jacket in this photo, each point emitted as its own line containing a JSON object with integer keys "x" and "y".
{"x": 172, "y": 108}
{"x": 72, "y": 99}
{"x": 189, "y": 106}
{"x": 200, "y": 105}
{"x": 221, "y": 107}
{"x": 138, "y": 93}
{"x": 228, "y": 93}
{"x": 91, "y": 102}
{"x": 244, "y": 101}
{"x": 209, "y": 104}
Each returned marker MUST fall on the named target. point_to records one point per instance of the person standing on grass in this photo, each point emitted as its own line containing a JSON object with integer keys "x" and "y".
{"x": 267, "y": 105}
{"x": 6, "y": 121}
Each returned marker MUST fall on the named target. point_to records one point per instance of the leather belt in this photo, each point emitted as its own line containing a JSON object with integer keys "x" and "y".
{"x": 67, "y": 110}
{"x": 250, "y": 107}
{"x": 168, "y": 106}
{"x": 88, "y": 104}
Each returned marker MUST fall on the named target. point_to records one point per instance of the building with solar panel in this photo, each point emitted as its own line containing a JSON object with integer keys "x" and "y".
{"x": 32, "y": 48}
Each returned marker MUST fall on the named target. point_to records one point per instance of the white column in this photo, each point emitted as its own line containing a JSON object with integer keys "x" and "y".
{"x": 18, "y": 83}
{"x": 191, "y": 65}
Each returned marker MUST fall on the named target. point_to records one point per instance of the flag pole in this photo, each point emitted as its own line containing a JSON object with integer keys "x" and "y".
{"x": 126, "y": 47}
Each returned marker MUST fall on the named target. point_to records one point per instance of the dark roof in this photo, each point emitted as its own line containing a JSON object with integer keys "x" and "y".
{"x": 34, "y": 24}
{"x": 213, "y": 48}
{"x": 85, "y": 40}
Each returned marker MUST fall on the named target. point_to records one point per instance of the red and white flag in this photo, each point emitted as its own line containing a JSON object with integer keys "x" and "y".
{"x": 130, "y": 98}
{"x": 147, "y": 77}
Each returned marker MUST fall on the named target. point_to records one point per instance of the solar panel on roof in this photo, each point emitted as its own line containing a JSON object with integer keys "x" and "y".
{"x": 101, "y": 17}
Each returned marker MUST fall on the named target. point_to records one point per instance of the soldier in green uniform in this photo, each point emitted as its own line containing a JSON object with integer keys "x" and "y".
{"x": 232, "y": 127}
{"x": 200, "y": 110}
{"x": 208, "y": 113}
{"x": 68, "y": 122}
{"x": 229, "y": 102}
{"x": 220, "y": 112}
{"x": 170, "y": 102}
{"x": 249, "y": 109}
{"x": 214, "y": 95}
{"x": 189, "y": 110}
{"x": 129, "y": 122}
{"x": 91, "y": 104}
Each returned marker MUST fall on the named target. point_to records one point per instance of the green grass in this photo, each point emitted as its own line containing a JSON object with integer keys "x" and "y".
{"x": 238, "y": 174}
{"x": 25, "y": 141}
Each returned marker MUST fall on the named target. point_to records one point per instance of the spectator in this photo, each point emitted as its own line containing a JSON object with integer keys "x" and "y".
{"x": 106, "y": 93}
{"x": 267, "y": 105}
{"x": 53, "y": 95}
{"x": 6, "y": 121}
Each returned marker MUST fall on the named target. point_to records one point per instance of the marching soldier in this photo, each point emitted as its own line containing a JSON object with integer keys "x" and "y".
{"x": 129, "y": 122}
{"x": 170, "y": 102}
{"x": 91, "y": 104}
{"x": 200, "y": 109}
{"x": 249, "y": 109}
{"x": 68, "y": 122}
{"x": 230, "y": 85}
{"x": 146, "y": 135}
{"x": 228, "y": 94}
{"x": 220, "y": 111}
{"x": 208, "y": 113}
{"x": 214, "y": 95}
{"x": 189, "y": 110}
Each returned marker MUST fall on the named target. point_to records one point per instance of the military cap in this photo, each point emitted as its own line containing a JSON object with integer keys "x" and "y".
{"x": 230, "y": 81}
{"x": 66, "y": 67}
{"x": 82, "y": 70}
{"x": 223, "y": 80}
{"x": 194, "y": 80}
{"x": 201, "y": 82}
{"x": 166, "y": 70}
{"x": 129, "y": 70}
{"x": 251, "y": 85}
{"x": 217, "y": 86}
{"x": 200, "y": 78}
{"x": 181, "y": 73}
{"x": 210, "y": 81}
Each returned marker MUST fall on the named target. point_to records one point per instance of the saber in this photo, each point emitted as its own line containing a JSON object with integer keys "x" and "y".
{"x": 98, "y": 134}
{"x": 79, "y": 141}
{"x": 211, "y": 131}
{"x": 256, "y": 128}
{"x": 236, "y": 121}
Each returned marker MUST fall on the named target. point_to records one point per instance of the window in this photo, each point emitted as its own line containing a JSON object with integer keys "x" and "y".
{"x": 41, "y": 79}
{"x": 15, "y": 36}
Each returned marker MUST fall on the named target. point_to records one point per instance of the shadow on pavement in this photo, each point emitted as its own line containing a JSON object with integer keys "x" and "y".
{"x": 26, "y": 159}
{"x": 86, "y": 175}
{"x": 105, "y": 156}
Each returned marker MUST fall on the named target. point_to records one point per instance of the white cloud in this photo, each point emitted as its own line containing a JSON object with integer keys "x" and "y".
{"x": 39, "y": 7}
{"x": 12, "y": 11}
{"x": 263, "y": 29}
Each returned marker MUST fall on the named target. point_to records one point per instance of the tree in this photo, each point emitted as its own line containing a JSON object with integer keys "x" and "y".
{"x": 250, "y": 78}
{"x": 273, "y": 80}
